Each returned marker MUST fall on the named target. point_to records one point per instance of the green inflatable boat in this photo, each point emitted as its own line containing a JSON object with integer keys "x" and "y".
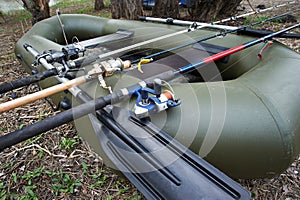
{"x": 240, "y": 113}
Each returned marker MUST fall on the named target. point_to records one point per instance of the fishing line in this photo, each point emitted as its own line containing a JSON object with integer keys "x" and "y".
{"x": 62, "y": 26}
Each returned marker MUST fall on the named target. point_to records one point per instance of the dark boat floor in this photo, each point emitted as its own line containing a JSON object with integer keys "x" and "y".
{"x": 180, "y": 59}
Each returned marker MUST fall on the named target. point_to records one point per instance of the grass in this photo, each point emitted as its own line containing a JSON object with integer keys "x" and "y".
{"x": 68, "y": 143}
{"x": 25, "y": 171}
{"x": 70, "y": 3}
{"x": 81, "y": 7}
{"x": 66, "y": 6}
{"x": 261, "y": 18}
{"x": 252, "y": 19}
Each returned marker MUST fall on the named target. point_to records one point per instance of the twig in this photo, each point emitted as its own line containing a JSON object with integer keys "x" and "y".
{"x": 23, "y": 30}
{"x": 37, "y": 146}
{"x": 250, "y": 5}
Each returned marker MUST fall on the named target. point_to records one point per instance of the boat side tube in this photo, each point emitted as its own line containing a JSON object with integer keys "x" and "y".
{"x": 248, "y": 127}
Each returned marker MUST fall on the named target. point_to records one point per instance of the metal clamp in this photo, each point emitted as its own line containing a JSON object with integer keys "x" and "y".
{"x": 108, "y": 68}
{"x": 150, "y": 101}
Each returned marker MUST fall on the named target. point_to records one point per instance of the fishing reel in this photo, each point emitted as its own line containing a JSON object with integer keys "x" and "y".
{"x": 150, "y": 101}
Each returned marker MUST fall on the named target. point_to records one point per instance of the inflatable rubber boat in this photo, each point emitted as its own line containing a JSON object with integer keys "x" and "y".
{"x": 241, "y": 113}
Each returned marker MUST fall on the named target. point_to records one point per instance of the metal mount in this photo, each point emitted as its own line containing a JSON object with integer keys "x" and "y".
{"x": 108, "y": 68}
{"x": 150, "y": 101}
{"x": 70, "y": 52}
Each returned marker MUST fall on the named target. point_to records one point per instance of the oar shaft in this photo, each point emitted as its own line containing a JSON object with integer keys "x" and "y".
{"x": 41, "y": 94}
{"x": 183, "y": 22}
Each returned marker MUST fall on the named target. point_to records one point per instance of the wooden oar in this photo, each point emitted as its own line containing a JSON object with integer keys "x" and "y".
{"x": 42, "y": 94}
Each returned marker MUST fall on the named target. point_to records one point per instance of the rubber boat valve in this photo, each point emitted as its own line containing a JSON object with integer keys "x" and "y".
{"x": 150, "y": 101}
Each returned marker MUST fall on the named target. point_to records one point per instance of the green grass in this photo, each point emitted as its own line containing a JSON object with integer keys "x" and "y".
{"x": 64, "y": 183}
{"x": 21, "y": 15}
{"x": 250, "y": 20}
{"x": 106, "y": 3}
{"x": 68, "y": 143}
{"x": 28, "y": 183}
{"x": 70, "y": 3}
{"x": 74, "y": 6}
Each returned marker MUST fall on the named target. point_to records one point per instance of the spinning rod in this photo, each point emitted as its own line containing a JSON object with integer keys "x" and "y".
{"x": 193, "y": 27}
{"x": 117, "y": 96}
{"x": 235, "y": 29}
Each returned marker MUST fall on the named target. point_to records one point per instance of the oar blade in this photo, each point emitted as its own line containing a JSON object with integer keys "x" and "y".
{"x": 159, "y": 166}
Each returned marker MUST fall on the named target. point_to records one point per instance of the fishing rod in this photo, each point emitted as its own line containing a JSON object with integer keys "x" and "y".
{"x": 9, "y": 86}
{"x": 188, "y": 23}
{"x": 111, "y": 142}
{"x": 108, "y": 69}
{"x": 235, "y": 29}
{"x": 119, "y": 95}
{"x": 55, "y": 89}
{"x": 71, "y": 50}
{"x": 193, "y": 27}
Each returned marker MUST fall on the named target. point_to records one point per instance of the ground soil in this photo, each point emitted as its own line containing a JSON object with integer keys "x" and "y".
{"x": 79, "y": 164}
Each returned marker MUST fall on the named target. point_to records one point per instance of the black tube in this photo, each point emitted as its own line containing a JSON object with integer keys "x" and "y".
{"x": 30, "y": 131}
{"x": 142, "y": 18}
{"x": 8, "y": 86}
{"x": 262, "y": 33}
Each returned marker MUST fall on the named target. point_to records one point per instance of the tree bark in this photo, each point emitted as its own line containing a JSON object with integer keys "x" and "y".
{"x": 211, "y": 10}
{"x": 166, "y": 8}
{"x": 38, "y": 8}
{"x": 126, "y": 9}
{"x": 99, "y": 4}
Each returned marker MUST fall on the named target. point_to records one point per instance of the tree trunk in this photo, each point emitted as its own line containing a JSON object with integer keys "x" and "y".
{"x": 38, "y": 8}
{"x": 127, "y": 9}
{"x": 99, "y": 4}
{"x": 212, "y": 10}
{"x": 166, "y": 8}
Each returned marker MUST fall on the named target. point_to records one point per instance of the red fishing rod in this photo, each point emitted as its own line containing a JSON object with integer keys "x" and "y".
{"x": 230, "y": 51}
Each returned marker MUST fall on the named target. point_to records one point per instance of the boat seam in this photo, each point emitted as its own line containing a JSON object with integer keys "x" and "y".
{"x": 283, "y": 130}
